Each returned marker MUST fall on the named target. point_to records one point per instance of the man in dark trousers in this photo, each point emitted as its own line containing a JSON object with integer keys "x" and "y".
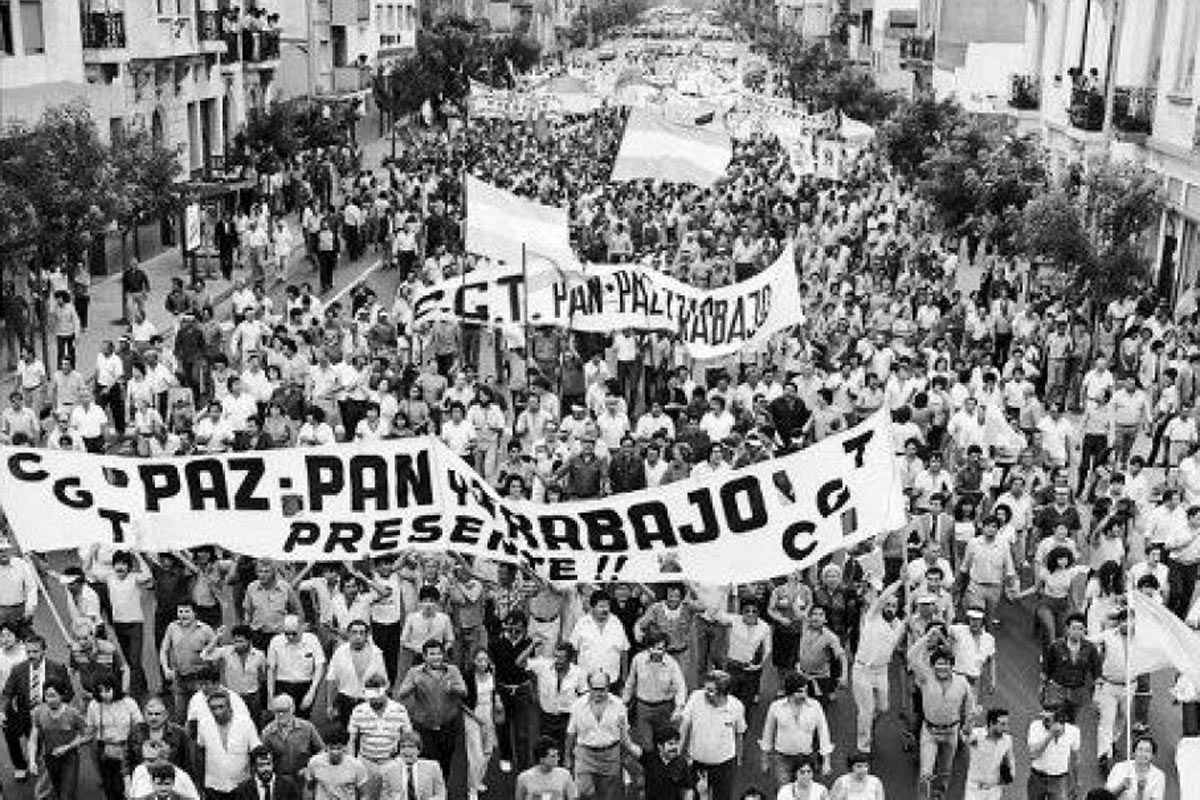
{"x": 226, "y": 238}
{"x": 23, "y": 692}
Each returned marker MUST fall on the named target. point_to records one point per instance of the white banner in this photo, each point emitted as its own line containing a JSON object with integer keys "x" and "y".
{"x": 710, "y": 323}
{"x": 344, "y": 503}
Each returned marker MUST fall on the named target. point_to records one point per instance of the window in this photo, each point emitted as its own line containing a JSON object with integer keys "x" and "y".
{"x": 7, "y": 46}
{"x": 1185, "y": 64}
{"x": 168, "y": 8}
{"x": 339, "y": 45}
{"x": 32, "y": 32}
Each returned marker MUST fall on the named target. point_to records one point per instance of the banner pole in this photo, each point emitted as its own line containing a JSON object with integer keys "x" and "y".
{"x": 525, "y": 312}
{"x": 54, "y": 612}
{"x": 1129, "y": 679}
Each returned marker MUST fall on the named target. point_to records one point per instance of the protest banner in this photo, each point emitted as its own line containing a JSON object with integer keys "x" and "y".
{"x": 344, "y": 503}
{"x": 710, "y": 323}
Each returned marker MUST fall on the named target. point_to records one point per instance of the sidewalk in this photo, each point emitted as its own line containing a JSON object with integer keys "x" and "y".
{"x": 106, "y": 306}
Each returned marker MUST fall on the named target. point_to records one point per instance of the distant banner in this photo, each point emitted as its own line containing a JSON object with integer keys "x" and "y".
{"x": 710, "y": 323}
{"x": 802, "y": 155}
{"x": 341, "y": 503}
{"x": 830, "y": 159}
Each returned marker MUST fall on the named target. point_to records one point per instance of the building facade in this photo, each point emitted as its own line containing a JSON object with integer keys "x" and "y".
{"x": 1118, "y": 78}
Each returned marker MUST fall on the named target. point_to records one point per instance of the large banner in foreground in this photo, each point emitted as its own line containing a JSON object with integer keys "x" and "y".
{"x": 711, "y": 323}
{"x": 346, "y": 502}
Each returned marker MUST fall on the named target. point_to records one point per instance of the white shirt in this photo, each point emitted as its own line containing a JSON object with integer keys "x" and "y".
{"x": 226, "y": 759}
{"x": 350, "y": 681}
{"x": 1155, "y": 787}
{"x": 109, "y": 370}
{"x": 126, "y": 599}
{"x": 970, "y": 653}
{"x": 557, "y": 694}
{"x": 600, "y": 648}
{"x": 88, "y": 422}
{"x": 712, "y": 729}
{"x": 1055, "y": 759}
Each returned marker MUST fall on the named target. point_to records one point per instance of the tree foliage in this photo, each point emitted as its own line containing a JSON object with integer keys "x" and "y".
{"x": 285, "y": 128}
{"x": 59, "y": 178}
{"x": 144, "y": 176}
{"x": 1052, "y": 230}
{"x": 449, "y": 56}
{"x": 914, "y": 130}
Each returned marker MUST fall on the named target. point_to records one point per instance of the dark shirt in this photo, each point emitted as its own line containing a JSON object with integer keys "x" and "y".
{"x": 583, "y": 474}
{"x": 504, "y": 655}
{"x": 627, "y": 471}
{"x": 1059, "y": 667}
{"x": 666, "y": 780}
{"x": 1050, "y": 517}
{"x": 179, "y": 748}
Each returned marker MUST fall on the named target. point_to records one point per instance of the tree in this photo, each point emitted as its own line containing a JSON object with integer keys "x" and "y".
{"x": 144, "y": 175}
{"x": 65, "y": 194}
{"x": 914, "y": 130}
{"x": 1052, "y": 231}
{"x": 1121, "y": 202}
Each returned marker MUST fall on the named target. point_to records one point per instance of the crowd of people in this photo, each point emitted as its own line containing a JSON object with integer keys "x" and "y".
{"x": 1021, "y": 420}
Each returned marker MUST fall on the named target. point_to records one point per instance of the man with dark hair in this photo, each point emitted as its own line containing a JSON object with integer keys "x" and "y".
{"x": 1070, "y": 666}
{"x": 331, "y": 772}
{"x": 547, "y": 778}
{"x": 265, "y": 783}
{"x": 434, "y": 692}
{"x": 665, "y": 772}
{"x": 22, "y": 692}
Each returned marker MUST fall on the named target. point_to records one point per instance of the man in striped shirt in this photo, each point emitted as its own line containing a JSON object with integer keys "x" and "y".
{"x": 376, "y": 726}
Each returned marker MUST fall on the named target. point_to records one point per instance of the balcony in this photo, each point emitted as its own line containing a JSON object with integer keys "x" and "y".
{"x": 210, "y": 26}
{"x": 1133, "y": 109}
{"x": 251, "y": 47}
{"x": 1025, "y": 92}
{"x": 104, "y": 31}
{"x": 917, "y": 50}
{"x": 1086, "y": 110}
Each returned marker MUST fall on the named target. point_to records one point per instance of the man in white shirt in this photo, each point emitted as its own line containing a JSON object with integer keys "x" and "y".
{"x": 225, "y": 741}
{"x": 1053, "y": 755}
{"x": 353, "y": 663}
{"x": 748, "y": 648}
{"x": 713, "y": 729}
{"x": 600, "y": 640}
{"x": 89, "y": 422}
{"x": 110, "y": 372}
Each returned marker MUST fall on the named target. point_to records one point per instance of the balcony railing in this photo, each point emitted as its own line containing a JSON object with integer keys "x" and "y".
{"x": 1086, "y": 110}
{"x": 253, "y": 47}
{"x": 1133, "y": 109}
{"x": 917, "y": 48}
{"x": 104, "y": 30}
{"x": 1025, "y": 92}
{"x": 210, "y": 26}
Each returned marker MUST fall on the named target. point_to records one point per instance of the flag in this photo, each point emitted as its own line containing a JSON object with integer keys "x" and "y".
{"x": 655, "y": 148}
{"x": 1161, "y": 640}
{"x": 500, "y": 224}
